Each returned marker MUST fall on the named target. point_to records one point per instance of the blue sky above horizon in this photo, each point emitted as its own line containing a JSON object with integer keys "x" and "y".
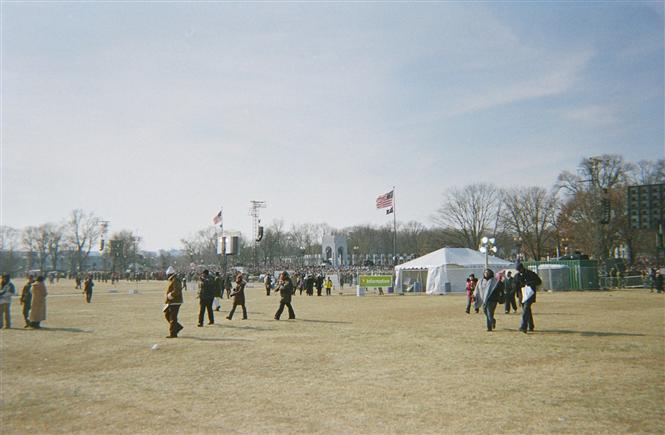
{"x": 152, "y": 115}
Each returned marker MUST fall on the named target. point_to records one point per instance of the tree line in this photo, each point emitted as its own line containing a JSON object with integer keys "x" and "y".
{"x": 584, "y": 211}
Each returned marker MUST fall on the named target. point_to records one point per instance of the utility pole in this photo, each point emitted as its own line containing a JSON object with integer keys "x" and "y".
{"x": 254, "y": 207}
{"x": 221, "y": 239}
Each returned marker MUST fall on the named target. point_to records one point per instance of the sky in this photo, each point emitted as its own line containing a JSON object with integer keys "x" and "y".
{"x": 153, "y": 115}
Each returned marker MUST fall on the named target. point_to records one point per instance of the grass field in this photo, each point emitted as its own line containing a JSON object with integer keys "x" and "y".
{"x": 374, "y": 364}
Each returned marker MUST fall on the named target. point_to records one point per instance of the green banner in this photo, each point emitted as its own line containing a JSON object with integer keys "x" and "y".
{"x": 376, "y": 281}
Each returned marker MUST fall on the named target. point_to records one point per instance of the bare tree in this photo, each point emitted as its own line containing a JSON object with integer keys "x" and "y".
{"x": 82, "y": 229}
{"x": 9, "y": 239}
{"x": 55, "y": 234}
{"x": 201, "y": 248}
{"x": 649, "y": 172}
{"x": 129, "y": 255}
{"x": 471, "y": 210}
{"x": 38, "y": 239}
{"x": 595, "y": 173}
{"x": 597, "y": 179}
{"x": 529, "y": 213}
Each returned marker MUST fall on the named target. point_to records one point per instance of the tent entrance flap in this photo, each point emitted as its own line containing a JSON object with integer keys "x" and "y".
{"x": 414, "y": 281}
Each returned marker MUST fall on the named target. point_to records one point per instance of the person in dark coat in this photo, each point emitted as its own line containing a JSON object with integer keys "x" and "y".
{"x": 207, "y": 291}
{"x": 285, "y": 289}
{"x": 487, "y": 291}
{"x": 26, "y": 299}
{"x": 527, "y": 279}
{"x": 509, "y": 289}
{"x": 319, "y": 284}
{"x": 658, "y": 282}
{"x": 88, "y": 284}
{"x": 227, "y": 285}
{"x": 238, "y": 298}
{"x": 309, "y": 285}
{"x": 268, "y": 283}
{"x": 173, "y": 302}
{"x": 219, "y": 289}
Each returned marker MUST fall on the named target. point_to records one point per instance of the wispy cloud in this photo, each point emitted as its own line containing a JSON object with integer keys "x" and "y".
{"x": 597, "y": 115}
{"x": 555, "y": 77}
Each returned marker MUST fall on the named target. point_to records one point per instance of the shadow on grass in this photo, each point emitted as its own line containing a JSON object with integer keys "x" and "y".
{"x": 74, "y": 330}
{"x": 185, "y": 337}
{"x": 589, "y": 333}
{"x": 322, "y": 321}
{"x": 251, "y": 328}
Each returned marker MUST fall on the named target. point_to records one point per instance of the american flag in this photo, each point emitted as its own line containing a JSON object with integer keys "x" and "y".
{"x": 384, "y": 201}
{"x": 217, "y": 219}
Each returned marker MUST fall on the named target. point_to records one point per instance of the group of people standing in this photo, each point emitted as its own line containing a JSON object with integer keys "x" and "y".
{"x": 492, "y": 290}
{"x": 210, "y": 289}
{"x": 306, "y": 282}
{"x": 33, "y": 300}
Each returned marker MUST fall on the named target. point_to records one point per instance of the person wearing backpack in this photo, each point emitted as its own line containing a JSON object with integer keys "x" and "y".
{"x": 527, "y": 279}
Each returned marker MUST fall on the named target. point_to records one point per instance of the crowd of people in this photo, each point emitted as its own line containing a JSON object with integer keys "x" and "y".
{"x": 492, "y": 290}
{"x": 32, "y": 299}
{"x": 212, "y": 288}
{"x": 485, "y": 293}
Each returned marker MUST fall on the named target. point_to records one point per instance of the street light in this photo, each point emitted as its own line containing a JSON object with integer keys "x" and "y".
{"x": 487, "y": 246}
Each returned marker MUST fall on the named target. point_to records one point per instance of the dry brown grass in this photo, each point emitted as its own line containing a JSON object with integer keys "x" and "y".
{"x": 414, "y": 364}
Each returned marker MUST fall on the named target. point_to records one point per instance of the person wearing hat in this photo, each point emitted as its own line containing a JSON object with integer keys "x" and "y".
{"x": 207, "y": 291}
{"x": 173, "y": 302}
{"x": 285, "y": 289}
{"x": 525, "y": 279}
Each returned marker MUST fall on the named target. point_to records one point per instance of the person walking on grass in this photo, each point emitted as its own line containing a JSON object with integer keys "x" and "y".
{"x": 471, "y": 282}
{"x": 173, "y": 301}
{"x": 509, "y": 289}
{"x": 238, "y": 297}
{"x": 658, "y": 282}
{"x": 476, "y": 300}
{"x": 38, "y": 308}
{"x": 227, "y": 285}
{"x": 285, "y": 289}
{"x": 318, "y": 283}
{"x": 267, "y": 281}
{"x": 26, "y": 299}
{"x": 207, "y": 290}
{"x": 488, "y": 292}
{"x": 219, "y": 290}
{"x": 87, "y": 288}
{"x": 528, "y": 281}
{"x": 7, "y": 290}
{"x": 328, "y": 284}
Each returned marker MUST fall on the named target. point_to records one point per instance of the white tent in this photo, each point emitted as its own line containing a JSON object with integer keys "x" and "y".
{"x": 445, "y": 270}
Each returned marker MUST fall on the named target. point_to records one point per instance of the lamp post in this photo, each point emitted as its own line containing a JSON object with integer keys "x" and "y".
{"x": 487, "y": 245}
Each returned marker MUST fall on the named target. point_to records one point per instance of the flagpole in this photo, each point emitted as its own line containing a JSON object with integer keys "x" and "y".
{"x": 394, "y": 230}
{"x": 221, "y": 228}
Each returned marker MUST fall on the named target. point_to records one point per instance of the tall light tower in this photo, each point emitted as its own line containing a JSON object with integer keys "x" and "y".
{"x": 487, "y": 245}
{"x": 254, "y": 207}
